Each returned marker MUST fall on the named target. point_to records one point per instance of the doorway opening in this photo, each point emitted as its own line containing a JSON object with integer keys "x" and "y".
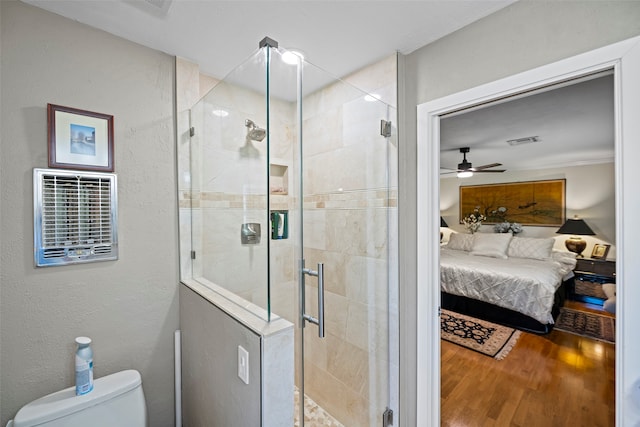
{"x": 624, "y": 59}
{"x": 563, "y": 134}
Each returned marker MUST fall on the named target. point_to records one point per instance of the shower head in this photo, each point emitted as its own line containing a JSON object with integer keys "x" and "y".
{"x": 257, "y": 134}
{"x": 254, "y": 132}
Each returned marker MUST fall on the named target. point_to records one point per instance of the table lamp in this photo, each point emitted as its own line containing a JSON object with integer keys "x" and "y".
{"x": 576, "y": 227}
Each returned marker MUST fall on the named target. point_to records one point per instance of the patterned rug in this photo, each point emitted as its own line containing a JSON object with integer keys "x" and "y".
{"x": 589, "y": 325}
{"x": 484, "y": 337}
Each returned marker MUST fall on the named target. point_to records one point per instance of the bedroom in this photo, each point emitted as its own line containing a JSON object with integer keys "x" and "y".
{"x": 575, "y": 142}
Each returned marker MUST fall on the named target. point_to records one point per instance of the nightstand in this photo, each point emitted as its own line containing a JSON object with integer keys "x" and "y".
{"x": 590, "y": 274}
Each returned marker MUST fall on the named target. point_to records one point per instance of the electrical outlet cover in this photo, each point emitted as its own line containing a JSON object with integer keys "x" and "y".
{"x": 243, "y": 364}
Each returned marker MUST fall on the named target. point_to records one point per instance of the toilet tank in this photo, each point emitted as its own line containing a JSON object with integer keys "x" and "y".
{"x": 116, "y": 400}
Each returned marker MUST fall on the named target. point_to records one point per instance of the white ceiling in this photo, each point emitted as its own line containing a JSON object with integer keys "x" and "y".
{"x": 337, "y": 35}
{"x": 575, "y": 124}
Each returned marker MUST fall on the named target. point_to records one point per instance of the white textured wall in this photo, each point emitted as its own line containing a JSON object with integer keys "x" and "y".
{"x": 129, "y": 307}
{"x": 214, "y": 322}
{"x": 213, "y": 395}
{"x": 522, "y": 36}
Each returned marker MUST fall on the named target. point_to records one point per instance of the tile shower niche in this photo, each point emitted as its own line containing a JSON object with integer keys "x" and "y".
{"x": 279, "y": 179}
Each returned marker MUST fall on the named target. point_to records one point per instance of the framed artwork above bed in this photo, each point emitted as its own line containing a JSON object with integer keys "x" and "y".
{"x": 539, "y": 203}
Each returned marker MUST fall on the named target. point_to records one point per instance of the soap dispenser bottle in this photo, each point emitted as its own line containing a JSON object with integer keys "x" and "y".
{"x": 84, "y": 366}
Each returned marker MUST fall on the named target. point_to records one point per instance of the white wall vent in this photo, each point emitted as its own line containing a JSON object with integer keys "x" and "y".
{"x": 75, "y": 217}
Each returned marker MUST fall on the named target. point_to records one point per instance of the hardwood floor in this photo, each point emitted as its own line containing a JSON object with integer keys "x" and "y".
{"x": 557, "y": 379}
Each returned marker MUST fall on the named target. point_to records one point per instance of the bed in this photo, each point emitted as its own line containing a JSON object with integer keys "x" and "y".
{"x": 515, "y": 281}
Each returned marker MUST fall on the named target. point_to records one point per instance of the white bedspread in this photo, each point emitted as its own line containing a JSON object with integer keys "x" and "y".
{"x": 520, "y": 284}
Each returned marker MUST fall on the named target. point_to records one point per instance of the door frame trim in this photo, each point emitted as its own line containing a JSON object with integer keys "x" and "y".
{"x": 624, "y": 58}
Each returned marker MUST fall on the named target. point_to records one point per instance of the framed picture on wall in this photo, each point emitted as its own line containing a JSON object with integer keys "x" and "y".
{"x": 539, "y": 203}
{"x": 600, "y": 251}
{"x": 79, "y": 139}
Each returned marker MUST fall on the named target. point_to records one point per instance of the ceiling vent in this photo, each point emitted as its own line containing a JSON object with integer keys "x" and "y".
{"x": 525, "y": 140}
{"x": 75, "y": 217}
{"x": 161, "y": 5}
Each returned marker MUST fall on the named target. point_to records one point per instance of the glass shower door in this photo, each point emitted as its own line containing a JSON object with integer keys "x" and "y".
{"x": 345, "y": 197}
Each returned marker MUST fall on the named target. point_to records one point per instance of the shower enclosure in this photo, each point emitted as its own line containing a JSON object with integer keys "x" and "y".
{"x": 293, "y": 209}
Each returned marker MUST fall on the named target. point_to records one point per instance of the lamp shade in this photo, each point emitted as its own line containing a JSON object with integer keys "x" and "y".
{"x": 443, "y": 223}
{"x": 576, "y": 227}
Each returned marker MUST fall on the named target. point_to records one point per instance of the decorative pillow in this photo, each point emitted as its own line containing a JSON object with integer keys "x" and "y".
{"x": 460, "y": 242}
{"x": 531, "y": 247}
{"x": 491, "y": 245}
{"x": 562, "y": 255}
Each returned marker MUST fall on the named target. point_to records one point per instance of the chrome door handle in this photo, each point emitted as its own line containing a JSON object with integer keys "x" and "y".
{"x": 320, "y": 275}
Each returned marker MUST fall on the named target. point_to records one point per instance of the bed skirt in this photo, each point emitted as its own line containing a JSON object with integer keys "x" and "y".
{"x": 503, "y": 316}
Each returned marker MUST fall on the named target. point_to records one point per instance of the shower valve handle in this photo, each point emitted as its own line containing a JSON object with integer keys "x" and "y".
{"x": 320, "y": 320}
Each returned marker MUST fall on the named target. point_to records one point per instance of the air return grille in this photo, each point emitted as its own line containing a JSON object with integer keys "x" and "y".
{"x": 75, "y": 217}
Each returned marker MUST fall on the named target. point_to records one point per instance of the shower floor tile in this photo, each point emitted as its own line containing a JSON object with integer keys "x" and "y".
{"x": 314, "y": 416}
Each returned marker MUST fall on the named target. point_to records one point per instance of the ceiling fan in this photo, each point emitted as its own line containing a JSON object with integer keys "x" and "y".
{"x": 466, "y": 169}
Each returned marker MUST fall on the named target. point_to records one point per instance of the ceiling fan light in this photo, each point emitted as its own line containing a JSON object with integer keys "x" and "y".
{"x": 465, "y": 174}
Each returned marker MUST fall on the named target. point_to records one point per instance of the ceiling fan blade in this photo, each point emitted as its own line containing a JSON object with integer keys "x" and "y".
{"x": 466, "y": 166}
{"x": 479, "y": 168}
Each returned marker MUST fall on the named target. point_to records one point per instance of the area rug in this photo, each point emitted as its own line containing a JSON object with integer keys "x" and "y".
{"x": 479, "y": 335}
{"x": 589, "y": 325}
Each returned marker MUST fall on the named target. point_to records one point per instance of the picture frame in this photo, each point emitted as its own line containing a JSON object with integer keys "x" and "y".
{"x": 600, "y": 251}
{"x": 531, "y": 203}
{"x": 79, "y": 139}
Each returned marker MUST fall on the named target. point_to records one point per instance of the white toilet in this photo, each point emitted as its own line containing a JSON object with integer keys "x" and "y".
{"x": 116, "y": 400}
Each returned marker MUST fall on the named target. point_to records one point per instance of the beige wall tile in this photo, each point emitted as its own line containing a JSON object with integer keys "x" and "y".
{"x": 348, "y": 407}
